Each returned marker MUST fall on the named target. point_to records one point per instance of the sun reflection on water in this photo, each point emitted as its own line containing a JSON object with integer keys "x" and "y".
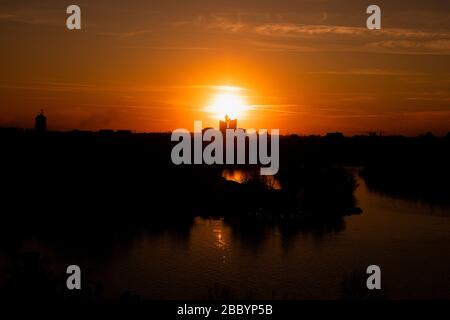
{"x": 242, "y": 176}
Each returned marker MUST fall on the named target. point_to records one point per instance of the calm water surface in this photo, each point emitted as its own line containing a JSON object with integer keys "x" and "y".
{"x": 409, "y": 241}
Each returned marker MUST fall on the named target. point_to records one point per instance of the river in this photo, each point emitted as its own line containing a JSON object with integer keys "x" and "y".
{"x": 410, "y": 241}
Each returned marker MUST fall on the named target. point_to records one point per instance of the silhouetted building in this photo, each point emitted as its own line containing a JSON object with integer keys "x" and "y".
{"x": 106, "y": 132}
{"x": 228, "y": 124}
{"x": 125, "y": 132}
{"x": 334, "y": 135}
{"x": 40, "y": 122}
{"x": 428, "y": 135}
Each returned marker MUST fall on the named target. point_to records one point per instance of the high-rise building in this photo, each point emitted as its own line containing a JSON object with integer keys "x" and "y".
{"x": 227, "y": 124}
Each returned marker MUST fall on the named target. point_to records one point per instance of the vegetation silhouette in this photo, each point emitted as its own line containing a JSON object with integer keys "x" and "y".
{"x": 86, "y": 192}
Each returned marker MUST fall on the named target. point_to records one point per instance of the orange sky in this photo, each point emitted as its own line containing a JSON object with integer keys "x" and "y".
{"x": 304, "y": 66}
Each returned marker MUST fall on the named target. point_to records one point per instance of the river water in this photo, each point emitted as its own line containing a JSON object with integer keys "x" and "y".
{"x": 410, "y": 242}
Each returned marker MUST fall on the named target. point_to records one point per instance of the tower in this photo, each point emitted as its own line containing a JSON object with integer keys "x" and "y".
{"x": 227, "y": 124}
{"x": 40, "y": 122}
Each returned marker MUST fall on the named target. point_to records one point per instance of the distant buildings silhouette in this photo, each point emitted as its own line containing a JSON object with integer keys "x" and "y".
{"x": 334, "y": 135}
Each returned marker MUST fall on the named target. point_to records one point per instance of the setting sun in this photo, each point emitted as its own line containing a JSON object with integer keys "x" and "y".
{"x": 227, "y": 102}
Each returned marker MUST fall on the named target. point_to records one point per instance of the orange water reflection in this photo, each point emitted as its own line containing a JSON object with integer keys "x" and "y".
{"x": 242, "y": 176}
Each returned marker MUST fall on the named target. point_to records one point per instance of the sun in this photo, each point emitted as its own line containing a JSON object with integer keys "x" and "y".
{"x": 227, "y": 102}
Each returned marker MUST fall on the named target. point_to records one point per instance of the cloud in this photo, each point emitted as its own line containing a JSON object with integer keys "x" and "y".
{"x": 443, "y": 96}
{"x": 170, "y": 48}
{"x": 126, "y": 34}
{"x": 295, "y": 30}
{"x": 294, "y": 37}
{"x": 280, "y": 108}
{"x": 56, "y": 86}
{"x": 367, "y": 72}
{"x": 29, "y": 16}
{"x": 281, "y": 47}
{"x": 5, "y": 16}
{"x": 438, "y": 46}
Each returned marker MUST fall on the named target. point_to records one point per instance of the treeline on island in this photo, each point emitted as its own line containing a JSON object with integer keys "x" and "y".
{"x": 85, "y": 180}
{"x": 86, "y": 192}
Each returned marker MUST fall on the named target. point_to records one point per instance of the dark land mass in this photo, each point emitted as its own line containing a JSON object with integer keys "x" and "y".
{"x": 80, "y": 190}
{"x": 120, "y": 178}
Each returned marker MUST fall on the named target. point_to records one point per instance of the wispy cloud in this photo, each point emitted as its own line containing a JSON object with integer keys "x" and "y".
{"x": 170, "y": 48}
{"x": 294, "y": 109}
{"x": 25, "y": 15}
{"x": 57, "y": 86}
{"x": 367, "y": 72}
{"x": 417, "y": 46}
{"x": 126, "y": 34}
{"x": 293, "y": 37}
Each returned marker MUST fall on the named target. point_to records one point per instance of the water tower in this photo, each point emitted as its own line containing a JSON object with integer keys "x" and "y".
{"x": 40, "y": 122}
